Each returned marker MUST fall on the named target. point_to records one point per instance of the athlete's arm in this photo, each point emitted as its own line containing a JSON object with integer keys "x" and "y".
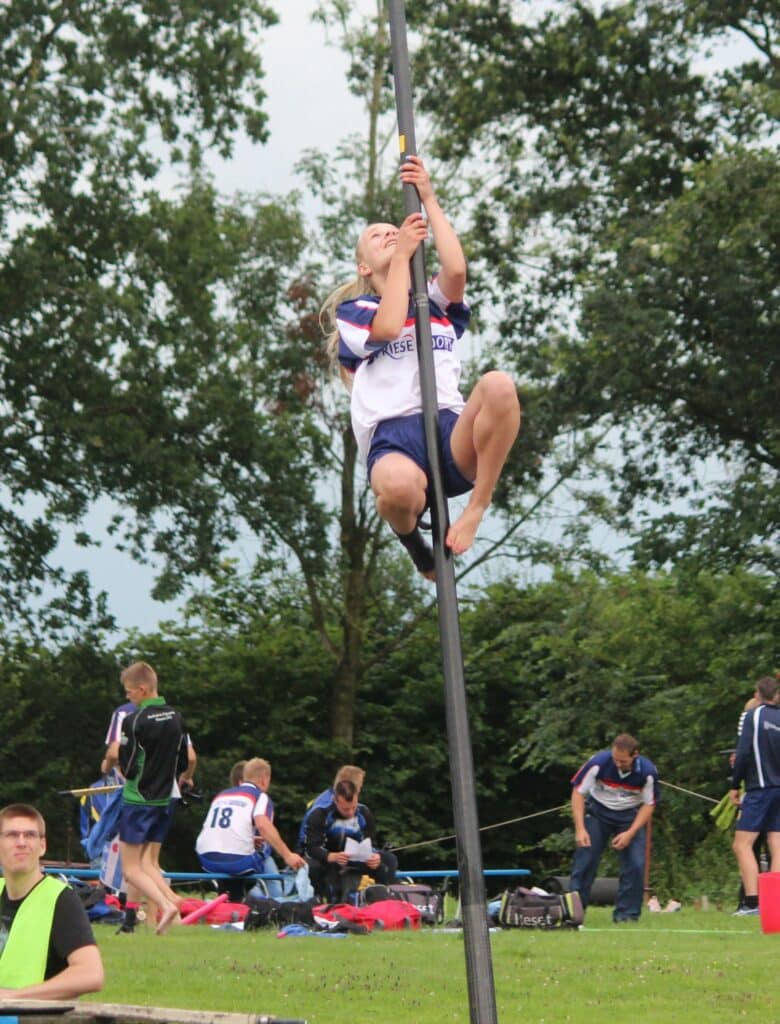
{"x": 393, "y": 307}
{"x": 643, "y": 815}
{"x": 581, "y": 834}
{"x": 270, "y": 834}
{"x": 111, "y": 758}
{"x": 452, "y": 276}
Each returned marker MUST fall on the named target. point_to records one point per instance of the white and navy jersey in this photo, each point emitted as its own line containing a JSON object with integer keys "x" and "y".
{"x": 757, "y": 761}
{"x": 230, "y": 823}
{"x": 386, "y": 381}
{"x": 114, "y": 733}
{"x": 601, "y": 780}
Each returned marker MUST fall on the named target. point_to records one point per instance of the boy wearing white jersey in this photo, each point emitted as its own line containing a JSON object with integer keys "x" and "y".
{"x": 238, "y": 833}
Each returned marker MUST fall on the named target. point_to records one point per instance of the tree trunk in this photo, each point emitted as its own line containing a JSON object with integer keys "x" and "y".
{"x": 354, "y": 532}
{"x": 353, "y": 552}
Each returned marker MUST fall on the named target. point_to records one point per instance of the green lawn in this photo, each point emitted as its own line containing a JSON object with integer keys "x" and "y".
{"x": 690, "y": 966}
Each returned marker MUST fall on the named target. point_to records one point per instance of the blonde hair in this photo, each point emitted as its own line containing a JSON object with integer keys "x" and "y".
{"x": 256, "y": 768}
{"x": 141, "y": 674}
{"x": 353, "y": 289}
{"x": 352, "y": 773}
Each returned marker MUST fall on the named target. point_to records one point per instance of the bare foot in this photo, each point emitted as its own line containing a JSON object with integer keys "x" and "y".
{"x": 461, "y": 534}
{"x": 169, "y": 915}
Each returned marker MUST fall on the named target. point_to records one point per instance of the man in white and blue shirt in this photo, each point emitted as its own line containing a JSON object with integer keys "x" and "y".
{"x": 238, "y": 833}
{"x": 613, "y": 798}
{"x": 757, "y": 765}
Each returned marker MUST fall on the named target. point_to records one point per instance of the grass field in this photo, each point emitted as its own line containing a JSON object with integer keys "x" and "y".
{"x": 685, "y": 967}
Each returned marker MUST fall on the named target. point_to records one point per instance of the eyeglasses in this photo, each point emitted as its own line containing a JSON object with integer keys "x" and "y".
{"x": 29, "y": 835}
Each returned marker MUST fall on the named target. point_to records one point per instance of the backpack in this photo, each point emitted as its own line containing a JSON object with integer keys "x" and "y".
{"x": 524, "y": 908}
{"x": 262, "y": 913}
{"x": 429, "y": 901}
{"x": 89, "y": 894}
{"x": 296, "y": 912}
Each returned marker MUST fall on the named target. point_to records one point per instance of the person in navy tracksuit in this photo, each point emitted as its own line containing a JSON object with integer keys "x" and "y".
{"x": 757, "y": 765}
{"x": 613, "y": 798}
{"x": 331, "y": 870}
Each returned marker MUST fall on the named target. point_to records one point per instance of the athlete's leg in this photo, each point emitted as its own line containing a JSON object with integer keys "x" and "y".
{"x": 480, "y": 443}
{"x": 773, "y": 842}
{"x": 628, "y": 905}
{"x": 399, "y": 486}
{"x": 746, "y": 861}
{"x": 586, "y": 858}
{"x": 146, "y": 883}
{"x": 150, "y": 860}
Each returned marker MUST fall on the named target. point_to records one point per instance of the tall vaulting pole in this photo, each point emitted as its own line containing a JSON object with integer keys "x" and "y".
{"x": 479, "y": 965}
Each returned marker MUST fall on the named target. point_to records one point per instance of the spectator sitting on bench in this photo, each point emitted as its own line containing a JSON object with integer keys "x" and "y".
{"x": 332, "y": 873}
{"x": 325, "y": 799}
{"x": 238, "y": 833}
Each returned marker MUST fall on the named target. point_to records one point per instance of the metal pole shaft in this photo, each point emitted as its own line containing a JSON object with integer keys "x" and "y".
{"x": 479, "y": 966}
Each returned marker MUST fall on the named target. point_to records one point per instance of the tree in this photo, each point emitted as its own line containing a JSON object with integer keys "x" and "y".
{"x": 101, "y": 284}
{"x": 631, "y": 224}
{"x": 166, "y": 351}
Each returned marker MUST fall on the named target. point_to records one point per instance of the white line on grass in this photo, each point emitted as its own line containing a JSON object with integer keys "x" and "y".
{"x": 669, "y": 931}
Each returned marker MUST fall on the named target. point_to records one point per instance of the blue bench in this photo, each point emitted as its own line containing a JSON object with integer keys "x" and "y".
{"x": 203, "y": 876}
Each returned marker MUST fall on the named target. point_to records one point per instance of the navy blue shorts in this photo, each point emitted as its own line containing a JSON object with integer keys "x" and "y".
{"x": 233, "y": 863}
{"x": 140, "y": 824}
{"x": 406, "y": 434}
{"x": 760, "y": 811}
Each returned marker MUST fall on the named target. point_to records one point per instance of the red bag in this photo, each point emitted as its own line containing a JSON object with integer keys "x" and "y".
{"x": 387, "y": 914}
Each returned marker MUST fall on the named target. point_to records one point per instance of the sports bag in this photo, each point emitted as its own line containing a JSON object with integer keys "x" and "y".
{"x": 429, "y": 901}
{"x": 389, "y": 915}
{"x": 524, "y": 908}
{"x": 262, "y": 913}
{"x": 267, "y": 912}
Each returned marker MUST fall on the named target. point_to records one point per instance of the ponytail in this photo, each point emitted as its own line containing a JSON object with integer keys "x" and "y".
{"x": 351, "y": 290}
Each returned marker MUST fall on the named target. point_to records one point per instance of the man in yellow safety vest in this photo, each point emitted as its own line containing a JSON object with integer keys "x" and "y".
{"x": 47, "y": 949}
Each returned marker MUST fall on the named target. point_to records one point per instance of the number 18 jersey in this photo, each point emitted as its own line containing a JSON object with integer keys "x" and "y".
{"x": 229, "y": 826}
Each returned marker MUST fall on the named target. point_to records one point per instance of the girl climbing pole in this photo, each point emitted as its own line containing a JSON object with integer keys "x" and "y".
{"x": 372, "y": 336}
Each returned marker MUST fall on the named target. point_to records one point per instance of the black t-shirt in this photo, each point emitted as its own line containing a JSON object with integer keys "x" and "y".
{"x": 70, "y": 928}
{"x": 152, "y": 752}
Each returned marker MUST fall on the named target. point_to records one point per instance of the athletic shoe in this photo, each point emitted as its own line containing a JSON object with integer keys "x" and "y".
{"x": 744, "y": 911}
{"x": 422, "y": 554}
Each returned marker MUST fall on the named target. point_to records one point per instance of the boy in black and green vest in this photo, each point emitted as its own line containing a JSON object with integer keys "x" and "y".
{"x": 47, "y": 949}
{"x": 154, "y": 761}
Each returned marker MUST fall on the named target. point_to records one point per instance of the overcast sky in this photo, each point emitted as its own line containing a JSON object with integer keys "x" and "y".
{"x": 308, "y": 103}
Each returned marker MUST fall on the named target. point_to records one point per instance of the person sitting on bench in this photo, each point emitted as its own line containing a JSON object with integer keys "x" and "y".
{"x": 333, "y": 872}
